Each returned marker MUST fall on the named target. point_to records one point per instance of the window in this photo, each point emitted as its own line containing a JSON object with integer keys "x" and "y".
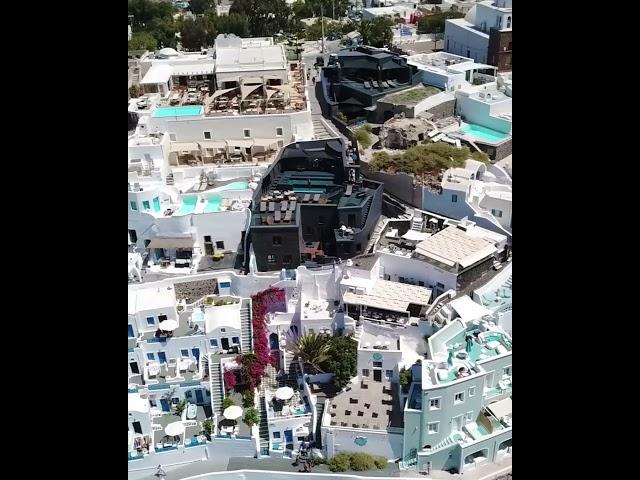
{"x": 184, "y": 353}
{"x": 377, "y": 364}
{"x": 220, "y": 245}
{"x": 365, "y": 372}
{"x": 271, "y": 258}
{"x": 280, "y": 143}
{"x": 277, "y": 240}
{"x": 146, "y": 205}
{"x": 468, "y": 416}
{"x": 134, "y": 205}
{"x": 420, "y": 284}
{"x": 175, "y": 400}
{"x": 133, "y": 236}
{"x": 276, "y": 434}
{"x": 434, "y": 404}
{"x": 207, "y": 135}
{"x": 207, "y": 238}
{"x": 433, "y": 427}
{"x": 151, "y": 321}
{"x": 223, "y": 330}
{"x": 161, "y": 318}
{"x": 454, "y": 198}
{"x": 235, "y": 340}
{"x": 388, "y": 374}
{"x": 172, "y": 137}
{"x": 509, "y": 23}
{"x": 247, "y": 133}
{"x": 506, "y": 371}
{"x": 401, "y": 279}
{"x": 213, "y": 342}
{"x": 440, "y": 285}
{"x": 496, "y": 213}
{"x": 151, "y": 356}
{"x": 287, "y": 259}
{"x": 472, "y": 391}
{"x": 311, "y": 331}
{"x": 279, "y": 131}
{"x": 459, "y": 398}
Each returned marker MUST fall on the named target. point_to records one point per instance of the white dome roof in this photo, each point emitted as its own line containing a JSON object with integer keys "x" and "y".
{"x": 167, "y": 52}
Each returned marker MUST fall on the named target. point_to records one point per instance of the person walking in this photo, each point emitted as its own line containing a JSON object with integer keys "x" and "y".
{"x": 160, "y": 473}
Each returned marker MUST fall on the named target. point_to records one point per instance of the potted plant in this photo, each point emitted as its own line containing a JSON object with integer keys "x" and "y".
{"x": 180, "y": 407}
{"x": 251, "y": 417}
{"x": 227, "y": 402}
{"x": 207, "y": 427}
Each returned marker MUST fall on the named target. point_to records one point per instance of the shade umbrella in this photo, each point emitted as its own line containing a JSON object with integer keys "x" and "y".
{"x": 175, "y": 428}
{"x": 232, "y": 413}
{"x": 284, "y": 393}
{"x": 168, "y": 325}
{"x": 450, "y": 358}
{"x": 469, "y": 346}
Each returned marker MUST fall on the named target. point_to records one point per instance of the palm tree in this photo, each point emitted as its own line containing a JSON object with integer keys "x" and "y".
{"x": 312, "y": 349}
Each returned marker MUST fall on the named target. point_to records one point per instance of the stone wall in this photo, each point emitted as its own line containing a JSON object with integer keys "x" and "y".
{"x": 397, "y": 184}
{"x": 192, "y": 291}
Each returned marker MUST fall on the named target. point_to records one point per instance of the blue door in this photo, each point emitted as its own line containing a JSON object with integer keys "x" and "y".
{"x": 164, "y": 403}
{"x": 288, "y": 436}
{"x": 199, "y": 398}
{"x": 162, "y": 357}
{"x": 196, "y": 353}
{"x": 131, "y": 335}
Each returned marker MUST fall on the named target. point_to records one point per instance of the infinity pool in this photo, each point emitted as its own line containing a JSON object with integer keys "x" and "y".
{"x": 188, "y": 111}
{"x": 188, "y": 205}
{"x": 234, "y": 186}
{"x": 483, "y": 133}
{"x": 213, "y": 204}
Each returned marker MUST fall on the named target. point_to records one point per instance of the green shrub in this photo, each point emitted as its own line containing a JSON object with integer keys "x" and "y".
{"x": 340, "y": 463}
{"x": 247, "y": 399}
{"x": 251, "y": 417}
{"x": 361, "y": 462}
{"x": 227, "y": 402}
{"x": 342, "y": 117}
{"x": 207, "y": 426}
{"x": 380, "y": 461}
{"x": 363, "y": 136}
{"x": 180, "y": 407}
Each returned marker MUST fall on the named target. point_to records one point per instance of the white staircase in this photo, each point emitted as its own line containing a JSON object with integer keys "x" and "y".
{"x": 245, "y": 322}
{"x": 216, "y": 386}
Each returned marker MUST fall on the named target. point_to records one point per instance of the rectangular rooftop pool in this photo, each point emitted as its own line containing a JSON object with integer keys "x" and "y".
{"x": 483, "y": 133}
{"x": 188, "y": 205}
{"x": 187, "y": 111}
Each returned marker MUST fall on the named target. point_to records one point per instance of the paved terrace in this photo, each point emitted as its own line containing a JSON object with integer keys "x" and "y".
{"x": 367, "y": 404}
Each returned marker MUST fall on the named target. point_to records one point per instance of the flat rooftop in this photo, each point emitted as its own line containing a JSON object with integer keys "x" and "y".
{"x": 379, "y": 341}
{"x": 368, "y": 405}
{"x": 438, "y": 60}
{"x": 470, "y": 27}
{"x": 258, "y": 57}
{"x": 453, "y": 246}
{"x": 387, "y": 295}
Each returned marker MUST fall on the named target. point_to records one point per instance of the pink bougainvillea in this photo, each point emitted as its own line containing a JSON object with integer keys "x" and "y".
{"x": 253, "y": 365}
{"x": 229, "y": 380}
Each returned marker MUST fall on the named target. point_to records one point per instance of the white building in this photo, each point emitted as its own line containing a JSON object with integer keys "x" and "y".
{"x": 450, "y": 72}
{"x": 480, "y": 193}
{"x": 396, "y": 10}
{"x": 469, "y": 36}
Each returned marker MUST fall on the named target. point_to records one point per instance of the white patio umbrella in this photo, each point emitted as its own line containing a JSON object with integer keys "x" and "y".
{"x": 284, "y": 393}
{"x": 233, "y": 412}
{"x": 168, "y": 325}
{"x": 175, "y": 428}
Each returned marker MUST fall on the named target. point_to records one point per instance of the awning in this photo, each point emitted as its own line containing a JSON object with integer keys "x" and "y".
{"x": 157, "y": 74}
{"x": 246, "y": 90}
{"x": 193, "y": 69}
{"x": 213, "y": 144}
{"x": 500, "y": 409}
{"x": 265, "y": 142}
{"x": 240, "y": 143}
{"x": 468, "y": 309}
{"x": 171, "y": 243}
{"x": 184, "y": 147}
{"x": 223, "y": 91}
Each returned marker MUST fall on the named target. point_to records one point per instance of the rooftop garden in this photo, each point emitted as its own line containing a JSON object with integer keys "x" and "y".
{"x": 429, "y": 159}
{"x": 412, "y": 95}
{"x": 321, "y": 353}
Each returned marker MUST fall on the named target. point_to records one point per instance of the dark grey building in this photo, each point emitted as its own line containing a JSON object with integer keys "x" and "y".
{"x": 313, "y": 207}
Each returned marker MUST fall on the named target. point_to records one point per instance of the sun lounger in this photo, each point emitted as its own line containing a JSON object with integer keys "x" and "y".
{"x": 433, "y": 133}
{"x": 287, "y": 216}
{"x": 263, "y": 207}
{"x": 385, "y": 84}
{"x": 316, "y": 197}
{"x": 292, "y": 205}
{"x": 375, "y": 83}
{"x": 458, "y": 144}
{"x": 307, "y": 197}
{"x": 283, "y": 206}
{"x": 438, "y": 137}
{"x": 367, "y": 84}
{"x": 272, "y": 206}
{"x": 348, "y": 191}
{"x": 278, "y": 216}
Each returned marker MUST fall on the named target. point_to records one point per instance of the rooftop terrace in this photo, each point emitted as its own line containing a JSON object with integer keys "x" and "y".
{"x": 367, "y": 404}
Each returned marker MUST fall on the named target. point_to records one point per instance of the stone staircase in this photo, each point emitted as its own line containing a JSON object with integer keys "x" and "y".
{"x": 320, "y": 132}
{"x": 263, "y": 426}
{"x": 245, "y": 322}
{"x": 320, "y": 410}
{"x": 216, "y": 386}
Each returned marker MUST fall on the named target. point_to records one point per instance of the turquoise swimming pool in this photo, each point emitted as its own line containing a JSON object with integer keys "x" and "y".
{"x": 188, "y": 111}
{"x": 213, "y": 204}
{"x": 234, "y": 186}
{"x": 188, "y": 205}
{"x": 483, "y": 133}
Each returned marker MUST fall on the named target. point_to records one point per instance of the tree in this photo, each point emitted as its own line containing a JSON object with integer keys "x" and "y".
{"x": 193, "y": 34}
{"x": 143, "y": 11}
{"x": 142, "y": 41}
{"x": 251, "y": 417}
{"x": 233, "y": 23}
{"x": 227, "y": 402}
{"x": 314, "y": 31}
{"x": 266, "y": 17}
{"x": 376, "y": 32}
{"x": 405, "y": 378}
{"x": 313, "y": 350}
{"x": 435, "y": 23}
{"x": 302, "y": 9}
{"x": 200, "y": 6}
{"x": 164, "y": 29}
{"x": 343, "y": 354}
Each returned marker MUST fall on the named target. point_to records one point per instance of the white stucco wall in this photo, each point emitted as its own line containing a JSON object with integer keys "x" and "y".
{"x": 377, "y": 442}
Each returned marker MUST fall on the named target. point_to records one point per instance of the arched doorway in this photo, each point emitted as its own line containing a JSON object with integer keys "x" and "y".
{"x": 273, "y": 342}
